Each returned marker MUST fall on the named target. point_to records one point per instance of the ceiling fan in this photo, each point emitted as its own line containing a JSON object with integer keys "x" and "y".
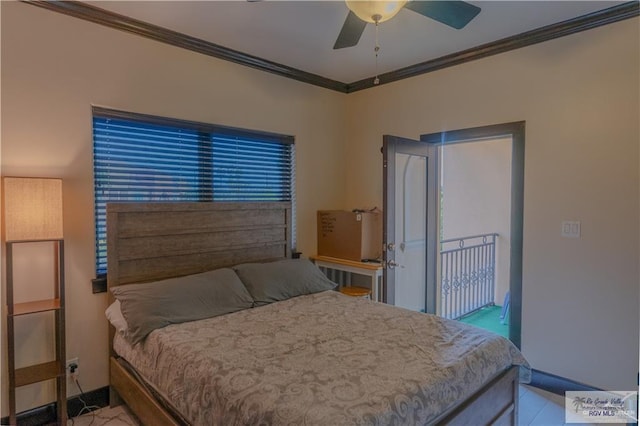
{"x": 453, "y": 13}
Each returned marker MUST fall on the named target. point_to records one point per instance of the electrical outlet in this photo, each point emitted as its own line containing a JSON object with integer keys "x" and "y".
{"x": 72, "y": 366}
{"x": 570, "y": 229}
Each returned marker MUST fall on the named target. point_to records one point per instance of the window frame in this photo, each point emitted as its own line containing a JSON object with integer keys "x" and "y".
{"x": 99, "y": 283}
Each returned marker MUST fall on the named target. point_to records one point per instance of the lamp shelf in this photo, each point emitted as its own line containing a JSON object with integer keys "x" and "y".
{"x": 39, "y": 372}
{"x": 36, "y": 306}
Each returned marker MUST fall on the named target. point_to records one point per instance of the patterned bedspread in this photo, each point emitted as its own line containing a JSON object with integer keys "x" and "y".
{"x": 321, "y": 359}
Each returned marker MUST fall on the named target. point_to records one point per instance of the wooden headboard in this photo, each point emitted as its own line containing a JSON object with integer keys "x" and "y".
{"x": 152, "y": 241}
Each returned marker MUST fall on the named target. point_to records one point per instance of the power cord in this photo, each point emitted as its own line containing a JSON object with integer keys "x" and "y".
{"x": 85, "y": 407}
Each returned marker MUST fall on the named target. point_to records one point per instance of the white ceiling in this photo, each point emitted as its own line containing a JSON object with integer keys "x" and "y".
{"x": 301, "y": 33}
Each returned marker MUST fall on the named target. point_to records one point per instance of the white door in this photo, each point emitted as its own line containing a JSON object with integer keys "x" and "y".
{"x": 409, "y": 259}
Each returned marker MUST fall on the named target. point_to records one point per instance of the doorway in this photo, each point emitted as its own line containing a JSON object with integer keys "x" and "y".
{"x": 417, "y": 239}
{"x": 474, "y": 234}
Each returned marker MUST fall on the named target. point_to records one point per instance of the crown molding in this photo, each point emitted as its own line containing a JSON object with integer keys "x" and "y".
{"x": 124, "y": 23}
{"x": 586, "y": 22}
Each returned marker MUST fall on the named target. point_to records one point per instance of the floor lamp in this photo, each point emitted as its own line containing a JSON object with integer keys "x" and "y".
{"x": 33, "y": 213}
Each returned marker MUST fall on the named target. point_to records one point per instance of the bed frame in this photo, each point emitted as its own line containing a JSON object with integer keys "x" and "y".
{"x": 153, "y": 241}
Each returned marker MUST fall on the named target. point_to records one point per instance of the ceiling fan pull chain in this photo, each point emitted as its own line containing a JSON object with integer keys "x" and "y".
{"x": 376, "y": 80}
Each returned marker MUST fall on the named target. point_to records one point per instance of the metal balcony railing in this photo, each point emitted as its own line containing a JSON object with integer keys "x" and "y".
{"x": 467, "y": 270}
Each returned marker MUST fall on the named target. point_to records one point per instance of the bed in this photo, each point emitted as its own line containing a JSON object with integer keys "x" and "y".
{"x": 318, "y": 358}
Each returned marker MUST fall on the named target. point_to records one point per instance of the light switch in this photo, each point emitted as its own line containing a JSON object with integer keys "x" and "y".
{"x": 570, "y": 229}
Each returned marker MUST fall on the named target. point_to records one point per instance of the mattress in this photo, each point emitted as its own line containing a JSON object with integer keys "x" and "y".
{"x": 320, "y": 359}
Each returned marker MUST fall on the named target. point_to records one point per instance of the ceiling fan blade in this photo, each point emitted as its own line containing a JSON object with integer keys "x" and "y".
{"x": 454, "y": 13}
{"x": 351, "y": 31}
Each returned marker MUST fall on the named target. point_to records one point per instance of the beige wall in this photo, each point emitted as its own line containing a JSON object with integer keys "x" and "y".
{"x": 55, "y": 67}
{"x": 578, "y": 95}
{"x": 579, "y": 98}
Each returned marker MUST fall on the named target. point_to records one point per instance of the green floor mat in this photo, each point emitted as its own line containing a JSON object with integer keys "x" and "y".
{"x": 489, "y": 319}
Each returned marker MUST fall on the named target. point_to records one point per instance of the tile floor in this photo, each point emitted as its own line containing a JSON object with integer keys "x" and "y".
{"x": 537, "y": 408}
{"x": 542, "y": 408}
{"x": 118, "y": 416}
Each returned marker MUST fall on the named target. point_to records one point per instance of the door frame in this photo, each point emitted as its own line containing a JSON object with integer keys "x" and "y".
{"x": 391, "y": 145}
{"x": 517, "y": 132}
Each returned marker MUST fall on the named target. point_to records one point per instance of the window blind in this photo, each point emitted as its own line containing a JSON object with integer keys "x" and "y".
{"x": 146, "y": 158}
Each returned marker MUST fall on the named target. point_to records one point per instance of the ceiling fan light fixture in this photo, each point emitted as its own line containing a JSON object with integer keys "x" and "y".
{"x": 375, "y": 11}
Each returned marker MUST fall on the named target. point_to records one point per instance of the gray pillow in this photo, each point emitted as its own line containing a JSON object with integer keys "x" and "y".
{"x": 153, "y": 305}
{"x": 281, "y": 280}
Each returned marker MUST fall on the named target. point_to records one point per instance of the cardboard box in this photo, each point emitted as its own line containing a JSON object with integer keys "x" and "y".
{"x": 348, "y": 235}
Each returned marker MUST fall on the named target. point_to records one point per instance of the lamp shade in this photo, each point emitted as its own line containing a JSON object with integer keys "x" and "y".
{"x": 32, "y": 209}
{"x": 375, "y": 10}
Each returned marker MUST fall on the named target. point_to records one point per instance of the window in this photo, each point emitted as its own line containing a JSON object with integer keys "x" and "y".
{"x": 147, "y": 158}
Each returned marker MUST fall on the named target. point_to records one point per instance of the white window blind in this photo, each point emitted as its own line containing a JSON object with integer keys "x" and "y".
{"x": 147, "y": 158}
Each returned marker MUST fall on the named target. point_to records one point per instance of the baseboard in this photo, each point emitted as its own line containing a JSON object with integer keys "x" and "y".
{"x": 557, "y": 384}
{"x": 98, "y": 397}
{"x": 47, "y": 413}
